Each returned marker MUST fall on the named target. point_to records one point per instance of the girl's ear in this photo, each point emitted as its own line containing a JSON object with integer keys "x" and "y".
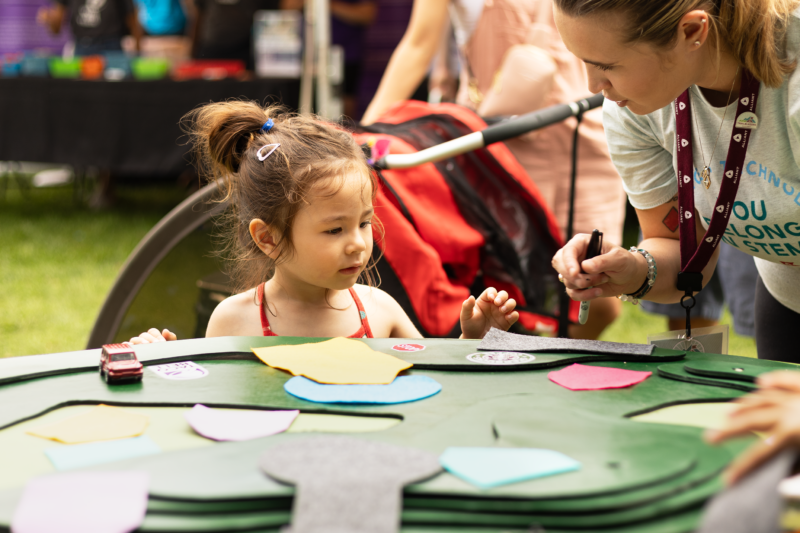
{"x": 263, "y": 236}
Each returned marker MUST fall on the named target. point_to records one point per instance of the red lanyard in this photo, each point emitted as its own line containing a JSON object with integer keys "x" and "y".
{"x": 693, "y": 257}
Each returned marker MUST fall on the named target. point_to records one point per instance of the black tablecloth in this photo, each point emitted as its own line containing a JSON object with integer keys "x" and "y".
{"x": 128, "y": 127}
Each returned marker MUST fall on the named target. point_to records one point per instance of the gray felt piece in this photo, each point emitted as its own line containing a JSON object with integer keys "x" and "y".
{"x": 511, "y": 342}
{"x": 753, "y": 504}
{"x": 347, "y": 485}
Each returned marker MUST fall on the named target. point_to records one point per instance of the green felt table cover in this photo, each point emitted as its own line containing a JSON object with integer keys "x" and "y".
{"x": 440, "y": 354}
{"x": 719, "y": 370}
{"x": 731, "y": 371}
{"x": 635, "y": 473}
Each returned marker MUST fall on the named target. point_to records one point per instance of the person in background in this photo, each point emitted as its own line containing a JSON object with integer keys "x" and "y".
{"x": 380, "y": 41}
{"x": 223, "y": 29}
{"x": 97, "y": 25}
{"x": 485, "y": 32}
{"x": 162, "y": 17}
{"x": 349, "y": 20}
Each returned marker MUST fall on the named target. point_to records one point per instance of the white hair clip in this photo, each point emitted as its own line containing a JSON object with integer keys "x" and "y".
{"x": 262, "y": 156}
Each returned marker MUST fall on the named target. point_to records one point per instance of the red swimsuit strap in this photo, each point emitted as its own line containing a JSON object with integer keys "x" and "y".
{"x": 363, "y": 331}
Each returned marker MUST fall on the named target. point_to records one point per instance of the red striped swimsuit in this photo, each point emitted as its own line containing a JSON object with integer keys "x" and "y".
{"x": 364, "y": 332}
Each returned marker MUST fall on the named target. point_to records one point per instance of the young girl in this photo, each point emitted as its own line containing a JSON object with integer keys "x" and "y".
{"x": 302, "y": 232}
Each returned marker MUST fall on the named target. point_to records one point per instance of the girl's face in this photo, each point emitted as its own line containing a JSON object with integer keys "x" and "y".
{"x": 635, "y": 75}
{"x": 332, "y": 235}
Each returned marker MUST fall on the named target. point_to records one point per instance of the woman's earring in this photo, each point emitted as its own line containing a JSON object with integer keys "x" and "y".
{"x": 697, "y": 43}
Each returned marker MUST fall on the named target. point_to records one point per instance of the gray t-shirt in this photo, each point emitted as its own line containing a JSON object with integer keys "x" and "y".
{"x": 766, "y": 215}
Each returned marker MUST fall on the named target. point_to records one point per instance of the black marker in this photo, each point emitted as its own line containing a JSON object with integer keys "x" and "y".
{"x": 593, "y": 250}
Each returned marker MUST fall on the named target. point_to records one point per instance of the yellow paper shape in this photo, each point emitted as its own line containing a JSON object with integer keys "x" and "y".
{"x": 101, "y": 423}
{"x": 337, "y": 361}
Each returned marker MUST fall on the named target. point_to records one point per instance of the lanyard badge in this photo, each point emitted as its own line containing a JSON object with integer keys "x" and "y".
{"x": 695, "y": 257}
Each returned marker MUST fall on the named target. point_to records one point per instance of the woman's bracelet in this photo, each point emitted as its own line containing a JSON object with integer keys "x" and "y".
{"x": 652, "y": 272}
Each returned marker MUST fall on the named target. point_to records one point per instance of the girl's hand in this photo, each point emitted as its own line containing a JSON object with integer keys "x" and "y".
{"x": 616, "y": 271}
{"x": 490, "y": 310}
{"x": 775, "y": 410}
{"x": 153, "y": 335}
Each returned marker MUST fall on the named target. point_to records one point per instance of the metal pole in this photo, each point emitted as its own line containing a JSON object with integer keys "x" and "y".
{"x": 322, "y": 25}
{"x": 307, "y": 77}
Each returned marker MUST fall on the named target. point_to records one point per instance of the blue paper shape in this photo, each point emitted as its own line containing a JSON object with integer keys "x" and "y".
{"x": 490, "y": 467}
{"x": 71, "y": 456}
{"x": 402, "y": 389}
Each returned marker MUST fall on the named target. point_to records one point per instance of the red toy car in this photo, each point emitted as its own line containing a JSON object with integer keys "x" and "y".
{"x": 118, "y": 362}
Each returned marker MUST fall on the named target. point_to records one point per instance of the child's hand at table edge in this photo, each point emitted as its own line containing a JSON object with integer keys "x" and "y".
{"x": 492, "y": 309}
{"x": 153, "y": 335}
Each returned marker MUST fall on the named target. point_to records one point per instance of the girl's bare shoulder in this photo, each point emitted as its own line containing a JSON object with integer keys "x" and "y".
{"x": 236, "y": 315}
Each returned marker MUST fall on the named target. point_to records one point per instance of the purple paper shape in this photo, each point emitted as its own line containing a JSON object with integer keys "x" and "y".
{"x": 244, "y": 424}
{"x": 82, "y": 502}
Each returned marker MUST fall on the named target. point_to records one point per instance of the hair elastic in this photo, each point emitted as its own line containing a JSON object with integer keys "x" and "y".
{"x": 267, "y": 126}
{"x": 261, "y": 156}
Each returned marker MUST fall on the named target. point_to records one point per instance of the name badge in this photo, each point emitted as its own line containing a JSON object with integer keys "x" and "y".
{"x": 746, "y": 121}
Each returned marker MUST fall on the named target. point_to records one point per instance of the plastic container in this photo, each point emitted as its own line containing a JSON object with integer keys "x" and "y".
{"x": 150, "y": 68}
{"x": 118, "y": 65}
{"x": 209, "y": 69}
{"x": 92, "y": 67}
{"x": 65, "y": 68}
{"x": 35, "y": 66}
{"x": 11, "y": 65}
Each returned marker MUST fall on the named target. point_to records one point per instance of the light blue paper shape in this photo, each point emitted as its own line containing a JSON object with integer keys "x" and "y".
{"x": 71, "y": 456}
{"x": 402, "y": 389}
{"x": 491, "y": 467}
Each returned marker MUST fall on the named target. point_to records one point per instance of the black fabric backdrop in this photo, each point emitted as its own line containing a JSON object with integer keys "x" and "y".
{"x": 128, "y": 127}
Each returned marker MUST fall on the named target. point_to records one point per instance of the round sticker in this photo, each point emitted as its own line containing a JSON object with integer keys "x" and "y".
{"x": 501, "y": 358}
{"x": 408, "y": 347}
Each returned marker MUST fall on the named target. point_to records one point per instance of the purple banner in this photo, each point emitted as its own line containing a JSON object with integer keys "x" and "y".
{"x": 19, "y": 31}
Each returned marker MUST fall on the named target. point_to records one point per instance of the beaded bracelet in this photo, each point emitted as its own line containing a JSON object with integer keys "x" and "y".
{"x": 652, "y": 272}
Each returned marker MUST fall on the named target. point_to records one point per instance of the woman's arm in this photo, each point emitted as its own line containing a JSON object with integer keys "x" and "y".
{"x": 618, "y": 271}
{"x": 410, "y": 60}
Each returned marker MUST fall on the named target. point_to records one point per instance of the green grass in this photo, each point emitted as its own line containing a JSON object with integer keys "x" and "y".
{"x": 58, "y": 261}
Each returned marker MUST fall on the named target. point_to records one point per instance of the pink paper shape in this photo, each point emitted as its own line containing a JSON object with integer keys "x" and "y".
{"x": 244, "y": 424}
{"x": 82, "y": 502}
{"x": 584, "y": 377}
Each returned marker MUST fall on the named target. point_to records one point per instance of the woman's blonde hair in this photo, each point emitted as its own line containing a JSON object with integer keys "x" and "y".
{"x": 753, "y": 30}
{"x": 227, "y": 137}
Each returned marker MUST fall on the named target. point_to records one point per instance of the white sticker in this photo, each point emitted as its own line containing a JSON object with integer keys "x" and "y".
{"x": 501, "y": 358}
{"x": 181, "y": 370}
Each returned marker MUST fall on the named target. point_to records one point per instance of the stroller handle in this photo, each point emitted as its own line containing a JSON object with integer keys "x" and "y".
{"x": 507, "y": 129}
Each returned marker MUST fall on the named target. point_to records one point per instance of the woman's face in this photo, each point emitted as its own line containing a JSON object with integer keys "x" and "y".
{"x": 636, "y": 76}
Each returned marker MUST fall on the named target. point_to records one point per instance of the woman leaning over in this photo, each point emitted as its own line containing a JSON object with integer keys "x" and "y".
{"x": 703, "y": 107}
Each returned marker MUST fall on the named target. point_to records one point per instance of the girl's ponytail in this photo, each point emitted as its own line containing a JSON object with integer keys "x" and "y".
{"x": 221, "y": 133}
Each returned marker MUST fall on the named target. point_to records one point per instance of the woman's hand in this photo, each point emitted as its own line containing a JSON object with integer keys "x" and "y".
{"x": 490, "y": 310}
{"x": 774, "y": 409}
{"x": 153, "y": 335}
{"x": 616, "y": 271}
